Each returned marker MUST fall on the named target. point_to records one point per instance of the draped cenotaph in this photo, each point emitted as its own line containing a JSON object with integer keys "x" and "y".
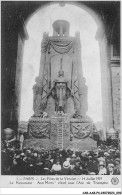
{"x": 60, "y": 95}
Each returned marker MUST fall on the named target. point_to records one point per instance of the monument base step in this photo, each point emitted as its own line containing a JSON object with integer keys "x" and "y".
{"x": 76, "y": 144}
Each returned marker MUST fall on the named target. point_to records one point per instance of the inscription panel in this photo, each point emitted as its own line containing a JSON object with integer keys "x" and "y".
{"x": 60, "y": 131}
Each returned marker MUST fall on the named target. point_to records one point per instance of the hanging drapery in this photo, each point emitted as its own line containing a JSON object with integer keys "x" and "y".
{"x": 61, "y": 46}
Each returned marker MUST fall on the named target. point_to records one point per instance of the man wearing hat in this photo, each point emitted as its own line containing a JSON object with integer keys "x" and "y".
{"x": 21, "y": 138}
{"x": 17, "y": 169}
{"x": 84, "y": 172}
{"x": 72, "y": 160}
{"x": 110, "y": 169}
{"x": 92, "y": 165}
{"x": 77, "y": 170}
{"x": 56, "y": 168}
{"x": 66, "y": 169}
{"x": 117, "y": 154}
{"x": 102, "y": 169}
{"x": 8, "y": 138}
{"x": 31, "y": 169}
{"x": 117, "y": 166}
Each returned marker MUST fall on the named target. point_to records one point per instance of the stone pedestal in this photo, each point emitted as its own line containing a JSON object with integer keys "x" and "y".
{"x": 75, "y": 144}
{"x": 82, "y": 144}
{"x": 56, "y": 132}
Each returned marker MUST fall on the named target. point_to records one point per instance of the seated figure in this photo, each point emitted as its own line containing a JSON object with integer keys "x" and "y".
{"x": 37, "y": 90}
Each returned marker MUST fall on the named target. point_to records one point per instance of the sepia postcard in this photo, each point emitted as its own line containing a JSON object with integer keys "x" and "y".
{"x": 60, "y": 95}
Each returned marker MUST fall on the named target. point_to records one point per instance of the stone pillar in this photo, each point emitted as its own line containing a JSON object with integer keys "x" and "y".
{"x": 18, "y": 78}
{"x": 115, "y": 77}
{"x": 105, "y": 80}
{"x": 22, "y": 36}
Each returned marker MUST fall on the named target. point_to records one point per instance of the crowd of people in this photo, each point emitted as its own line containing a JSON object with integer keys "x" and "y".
{"x": 28, "y": 161}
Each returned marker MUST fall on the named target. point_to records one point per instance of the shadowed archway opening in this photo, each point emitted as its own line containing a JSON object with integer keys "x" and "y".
{"x": 80, "y": 19}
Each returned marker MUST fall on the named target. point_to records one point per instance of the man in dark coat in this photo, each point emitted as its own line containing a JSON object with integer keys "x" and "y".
{"x": 66, "y": 170}
{"x": 77, "y": 170}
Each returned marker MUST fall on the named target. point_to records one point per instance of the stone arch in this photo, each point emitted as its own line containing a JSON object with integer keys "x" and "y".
{"x": 101, "y": 36}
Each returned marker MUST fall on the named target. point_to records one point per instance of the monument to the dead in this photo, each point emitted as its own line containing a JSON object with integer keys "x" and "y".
{"x": 60, "y": 95}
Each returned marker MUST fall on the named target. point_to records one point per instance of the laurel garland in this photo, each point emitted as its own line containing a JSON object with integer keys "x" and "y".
{"x": 78, "y": 136}
{"x": 45, "y": 134}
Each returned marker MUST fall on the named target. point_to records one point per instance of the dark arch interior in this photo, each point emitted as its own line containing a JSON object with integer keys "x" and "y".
{"x": 13, "y": 17}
